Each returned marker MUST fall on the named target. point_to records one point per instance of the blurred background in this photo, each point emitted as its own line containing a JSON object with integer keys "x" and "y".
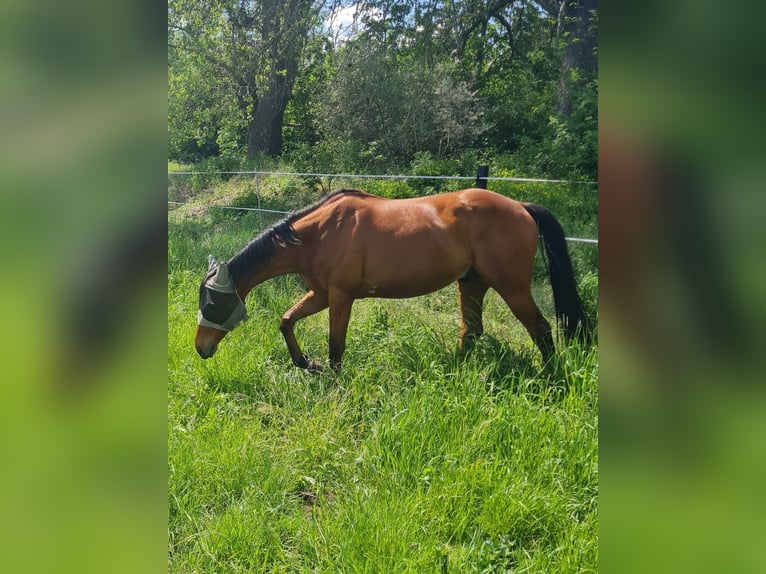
{"x": 83, "y": 298}
{"x": 83, "y": 96}
{"x": 681, "y": 435}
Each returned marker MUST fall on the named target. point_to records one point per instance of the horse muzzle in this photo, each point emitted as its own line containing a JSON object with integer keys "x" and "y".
{"x": 206, "y": 352}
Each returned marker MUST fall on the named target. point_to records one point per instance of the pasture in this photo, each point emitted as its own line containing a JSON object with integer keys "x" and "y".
{"x": 412, "y": 459}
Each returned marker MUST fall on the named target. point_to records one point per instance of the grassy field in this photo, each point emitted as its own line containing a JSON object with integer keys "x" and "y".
{"x": 410, "y": 460}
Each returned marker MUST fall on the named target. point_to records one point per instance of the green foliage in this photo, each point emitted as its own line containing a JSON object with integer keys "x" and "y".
{"x": 568, "y": 146}
{"x": 425, "y": 164}
{"x": 301, "y": 115}
{"x": 328, "y": 156}
{"x": 396, "y": 90}
{"x": 193, "y": 123}
{"x": 398, "y": 107}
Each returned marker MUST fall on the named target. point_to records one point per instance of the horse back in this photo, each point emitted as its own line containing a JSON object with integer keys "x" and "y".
{"x": 406, "y": 247}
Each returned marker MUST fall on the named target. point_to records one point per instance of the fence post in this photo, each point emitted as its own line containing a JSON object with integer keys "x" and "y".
{"x": 258, "y": 196}
{"x": 482, "y": 172}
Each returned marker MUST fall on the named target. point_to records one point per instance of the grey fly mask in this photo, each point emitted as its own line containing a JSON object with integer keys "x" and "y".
{"x": 219, "y": 304}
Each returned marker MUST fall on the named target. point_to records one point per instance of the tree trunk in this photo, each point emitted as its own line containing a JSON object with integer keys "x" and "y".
{"x": 265, "y": 131}
{"x": 285, "y": 28}
{"x": 580, "y": 36}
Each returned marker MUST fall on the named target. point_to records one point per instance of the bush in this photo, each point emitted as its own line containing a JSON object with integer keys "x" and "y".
{"x": 426, "y": 164}
{"x": 390, "y": 188}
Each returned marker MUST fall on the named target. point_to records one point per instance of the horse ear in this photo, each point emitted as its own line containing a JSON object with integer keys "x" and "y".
{"x": 211, "y": 263}
{"x": 222, "y": 277}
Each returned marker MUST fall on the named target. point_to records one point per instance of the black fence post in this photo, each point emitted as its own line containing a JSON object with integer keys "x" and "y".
{"x": 482, "y": 172}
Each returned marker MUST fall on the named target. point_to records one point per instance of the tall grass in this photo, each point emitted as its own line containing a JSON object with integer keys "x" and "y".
{"x": 412, "y": 459}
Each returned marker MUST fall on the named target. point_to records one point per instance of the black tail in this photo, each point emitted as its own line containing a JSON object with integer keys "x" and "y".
{"x": 569, "y": 309}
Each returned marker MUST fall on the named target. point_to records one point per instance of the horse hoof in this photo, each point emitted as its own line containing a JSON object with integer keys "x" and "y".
{"x": 314, "y": 366}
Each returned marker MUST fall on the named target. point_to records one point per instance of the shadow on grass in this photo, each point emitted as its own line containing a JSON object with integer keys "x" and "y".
{"x": 500, "y": 365}
{"x": 508, "y": 369}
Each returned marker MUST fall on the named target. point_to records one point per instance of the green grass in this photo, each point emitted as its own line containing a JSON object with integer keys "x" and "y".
{"x": 175, "y": 166}
{"x": 410, "y": 460}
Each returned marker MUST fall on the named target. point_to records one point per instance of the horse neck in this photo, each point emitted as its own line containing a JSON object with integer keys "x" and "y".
{"x": 284, "y": 261}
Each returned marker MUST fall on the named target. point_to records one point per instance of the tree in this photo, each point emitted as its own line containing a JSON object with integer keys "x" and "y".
{"x": 578, "y": 28}
{"x": 437, "y": 77}
{"x": 252, "y": 47}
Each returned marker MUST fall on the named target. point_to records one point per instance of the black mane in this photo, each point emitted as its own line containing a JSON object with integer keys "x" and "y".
{"x": 260, "y": 250}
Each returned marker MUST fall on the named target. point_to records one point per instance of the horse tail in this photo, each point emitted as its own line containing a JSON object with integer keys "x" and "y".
{"x": 569, "y": 307}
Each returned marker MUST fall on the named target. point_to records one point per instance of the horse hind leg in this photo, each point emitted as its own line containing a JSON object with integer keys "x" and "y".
{"x": 527, "y": 312}
{"x": 471, "y": 291}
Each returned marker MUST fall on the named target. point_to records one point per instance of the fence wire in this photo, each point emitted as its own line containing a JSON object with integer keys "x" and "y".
{"x": 367, "y": 176}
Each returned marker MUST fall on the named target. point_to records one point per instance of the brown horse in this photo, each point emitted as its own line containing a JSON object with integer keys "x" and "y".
{"x": 351, "y": 245}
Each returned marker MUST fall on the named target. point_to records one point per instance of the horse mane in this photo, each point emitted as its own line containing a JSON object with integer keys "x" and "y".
{"x": 260, "y": 250}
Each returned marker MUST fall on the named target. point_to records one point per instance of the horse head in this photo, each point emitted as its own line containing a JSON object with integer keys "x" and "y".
{"x": 220, "y": 308}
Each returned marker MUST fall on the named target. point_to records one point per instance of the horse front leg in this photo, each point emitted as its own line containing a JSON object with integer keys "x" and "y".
{"x": 340, "y": 314}
{"x": 311, "y": 303}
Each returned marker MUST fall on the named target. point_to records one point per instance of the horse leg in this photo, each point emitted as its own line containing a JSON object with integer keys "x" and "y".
{"x": 471, "y": 296}
{"x": 340, "y": 314}
{"x": 312, "y": 303}
{"x": 525, "y": 309}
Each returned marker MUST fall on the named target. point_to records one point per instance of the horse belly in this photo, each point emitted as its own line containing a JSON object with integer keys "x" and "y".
{"x": 400, "y": 269}
{"x": 403, "y": 290}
